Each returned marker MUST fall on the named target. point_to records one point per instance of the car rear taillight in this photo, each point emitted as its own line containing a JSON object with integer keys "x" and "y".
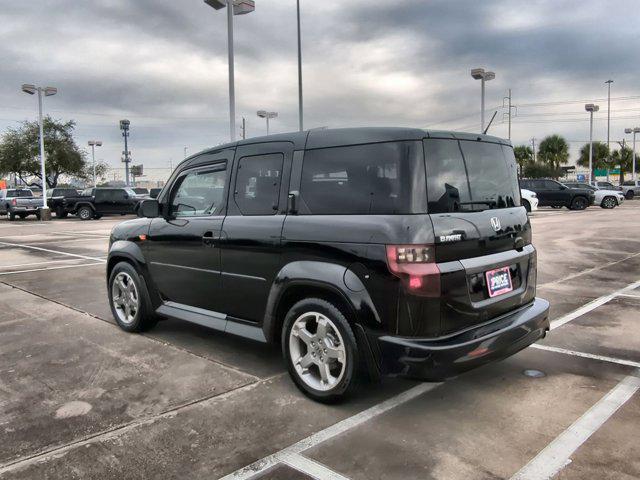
{"x": 415, "y": 266}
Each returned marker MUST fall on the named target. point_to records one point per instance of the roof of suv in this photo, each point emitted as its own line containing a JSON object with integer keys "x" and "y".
{"x": 336, "y": 137}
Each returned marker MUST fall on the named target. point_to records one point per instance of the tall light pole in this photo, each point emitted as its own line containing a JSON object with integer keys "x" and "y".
{"x": 590, "y": 107}
{"x": 124, "y": 126}
{"x": 48, "y": 91}
{"x": 239, "y": 7}
{"x": 300, "y": 109}
{"x": 633, "y": 161}
{"x": 93, "y": 144}
{"x": 608, "y": 82}
{"x": 483, "y": 76}
{"x": 267, "y": 115}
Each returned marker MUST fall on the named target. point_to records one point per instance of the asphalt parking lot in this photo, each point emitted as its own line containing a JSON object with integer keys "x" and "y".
{"x": 82, "y": 399}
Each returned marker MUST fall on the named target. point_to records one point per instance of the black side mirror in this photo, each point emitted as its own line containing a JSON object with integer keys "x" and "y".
{"x": 149, "y": 209}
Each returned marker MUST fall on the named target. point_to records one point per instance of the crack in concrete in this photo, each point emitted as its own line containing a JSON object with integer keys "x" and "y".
{"x": 121, "y": 429}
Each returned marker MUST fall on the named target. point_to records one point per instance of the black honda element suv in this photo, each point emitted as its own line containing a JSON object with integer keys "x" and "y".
{"x": 386, "y": 251}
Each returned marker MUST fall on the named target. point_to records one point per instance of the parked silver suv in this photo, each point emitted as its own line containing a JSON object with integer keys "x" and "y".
{"x": 631, "y": 188}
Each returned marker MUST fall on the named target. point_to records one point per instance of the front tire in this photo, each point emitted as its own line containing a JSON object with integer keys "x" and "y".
{"x": 129, "y": 299}
{"x": 579, "y": 203}
{"x": 85, "y": 213}
{"x": 61, "y": 213}
{"x": 526, "y": 205}
{"x": 320, "y": 350}
{"x": 12, "y": 216}
{"x": 609, "y": 202}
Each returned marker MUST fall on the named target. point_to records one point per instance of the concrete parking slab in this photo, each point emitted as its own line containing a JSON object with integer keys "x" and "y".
{"x": 206, "y": 439}
{"x": 485, "y": 424}
{"x": 610, "y": 330}
{"x": 613, "y": 452}
{"x": 65, "y": 376}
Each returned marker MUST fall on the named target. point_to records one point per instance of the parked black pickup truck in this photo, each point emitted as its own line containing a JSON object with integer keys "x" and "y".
{"x": 554, "y": 194}
{"x": 96, "y": 202}
{"x": 55, "y": 200}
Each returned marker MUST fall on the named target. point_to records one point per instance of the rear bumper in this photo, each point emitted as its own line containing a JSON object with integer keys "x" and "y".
{"x": 437, "y": 359}
{"x": 24, "y": 209}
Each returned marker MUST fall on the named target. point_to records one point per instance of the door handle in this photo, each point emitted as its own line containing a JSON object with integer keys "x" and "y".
{"x": 208, "y": 240}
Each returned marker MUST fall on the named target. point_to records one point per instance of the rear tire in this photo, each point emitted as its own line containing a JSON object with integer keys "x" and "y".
{"x": 129, "y": 299}
{"x": 579, "y": 203}
{"x": 609, "y": 202}
{"x": 22, "y": 216}
{"x": 630, "y": 194}
{"x": 526, "y": 205}
{"x": 12, "y": 216}
{"x": 85, "y": 213}
{"x": 320, "y": 350}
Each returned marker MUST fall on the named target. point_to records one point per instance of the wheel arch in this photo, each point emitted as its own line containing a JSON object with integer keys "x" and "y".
{"x": 304, "y": 279}
{"x": 126, "y": 251}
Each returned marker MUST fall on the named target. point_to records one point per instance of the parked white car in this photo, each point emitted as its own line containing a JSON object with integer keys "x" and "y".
{"x": 604, "y": 198}
{"x": 529, "y": 200}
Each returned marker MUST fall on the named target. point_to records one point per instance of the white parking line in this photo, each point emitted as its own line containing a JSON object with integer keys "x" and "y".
{"x": 18, "y": 265}
{"x": 16, "y": 272}
{"x": 592, "y": 305}
{"x": 96, "y": 259}
{"x": 555, "y": 456}
{"x": 345, "y": 425}
{"x": 592, "y": 356}
{"x": 590, "y": 270}
{"x": 310, "y": 467}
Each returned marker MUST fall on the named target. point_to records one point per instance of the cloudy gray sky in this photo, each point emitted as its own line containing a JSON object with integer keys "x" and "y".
{"x": 163, "y": 65}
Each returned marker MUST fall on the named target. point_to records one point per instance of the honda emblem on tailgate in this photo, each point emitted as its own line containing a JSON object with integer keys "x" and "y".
{"x": 495, "y": 223}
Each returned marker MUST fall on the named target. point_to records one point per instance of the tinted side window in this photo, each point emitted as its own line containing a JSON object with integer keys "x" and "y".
{"x": 118, "y": 195}
{"x": 198, "y": 193}
{"x": 447, "y": 182}
{"x": 375, "y": 179}
{"x": 550, "y": 185}
{"x": 258, "y": 184}
{"x": 103, "y": 196}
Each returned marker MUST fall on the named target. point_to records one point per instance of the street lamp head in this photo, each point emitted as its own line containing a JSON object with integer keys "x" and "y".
{"x": 28, "y": 88}
{"x": 98, "y": 143}
{"x": 628, "y": 130}
{"x": 49, "y": 91}
{"x": 477, "y": 73}
{"x": 609, "y": 81}
{"x": 590, "y": 107}
{"x": 489, "y": 76}
{"x": 240, "y": 7}
{"x": 124, "y": 124}
{"x": 95, "y": 143}
{"x": 265, "y": 114}
{"x": 217, "y": 4}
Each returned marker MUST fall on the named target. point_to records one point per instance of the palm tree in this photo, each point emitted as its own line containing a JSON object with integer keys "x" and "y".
{"x": 624, "y": 158}
{"x": 600, "y": 156}
{"x": 524, "y": 156}
{"x": 554, "y": 151}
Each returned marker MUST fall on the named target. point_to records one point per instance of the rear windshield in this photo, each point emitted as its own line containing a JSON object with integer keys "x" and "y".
{"x": 19, "y": 193}
{"x": 379, "y": 178}
{"x": 465, "y": 175}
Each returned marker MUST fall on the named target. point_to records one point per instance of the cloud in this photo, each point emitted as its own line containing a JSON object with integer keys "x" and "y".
{"x": 163, "y": 65}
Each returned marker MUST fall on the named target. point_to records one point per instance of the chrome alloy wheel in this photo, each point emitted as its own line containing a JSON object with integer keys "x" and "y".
{"x": 317, "y": 351}
{"x": 125, "y": 298}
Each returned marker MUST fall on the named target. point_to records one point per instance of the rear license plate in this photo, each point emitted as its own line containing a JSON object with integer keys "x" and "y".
{"x": 498, "y": 281}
